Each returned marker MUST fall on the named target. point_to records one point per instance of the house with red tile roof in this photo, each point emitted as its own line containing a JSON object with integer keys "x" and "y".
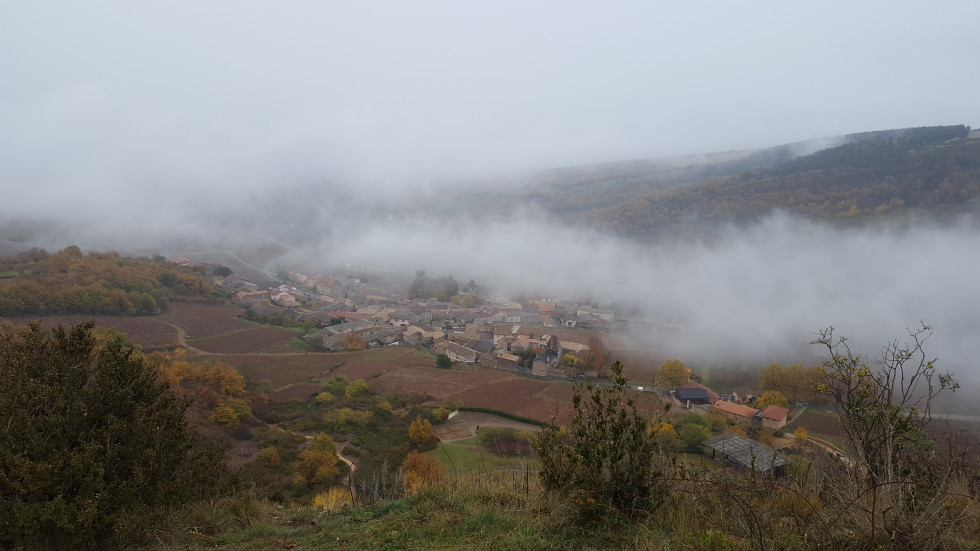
{"x": 738, "y": 412}
{"x": 774, "y": 417}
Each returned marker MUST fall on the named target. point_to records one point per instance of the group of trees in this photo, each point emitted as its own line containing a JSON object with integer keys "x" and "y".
{"x": 796, "y": 382}
{"x": 871, "y": 174}
{"x": 100, "y": 283}
{"x": 442, "y": 289}
{"x": 91, "y": 435}
{"x": 672, "y": 374}
{"x": 212, "y": 386}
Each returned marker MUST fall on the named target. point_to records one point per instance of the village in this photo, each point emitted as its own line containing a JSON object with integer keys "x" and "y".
{"x": 539, "y": 338}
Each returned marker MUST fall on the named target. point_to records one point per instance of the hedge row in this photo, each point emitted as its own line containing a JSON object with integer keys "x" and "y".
{"x": 505, "y": 415}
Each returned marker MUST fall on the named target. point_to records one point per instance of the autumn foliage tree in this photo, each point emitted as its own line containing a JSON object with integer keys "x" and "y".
{"x": 594, "y": 357}
{"x": 420, "y": 470}
{"x": 211, "y": 385}
{"x": 420, "y": 432}
{"x": 100, "y": 283}
{"x": 771, "y": 398}
{"x": 352, "y": 341}
{"x": 672, "y": 374}
{"x": 318, "y": 463}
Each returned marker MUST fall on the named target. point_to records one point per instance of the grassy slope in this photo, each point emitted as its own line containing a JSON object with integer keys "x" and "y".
{"x": 468, "y": 456}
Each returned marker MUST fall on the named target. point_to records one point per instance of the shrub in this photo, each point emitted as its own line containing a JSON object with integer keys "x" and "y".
{"x": 421, "y": 470}
{"x": 91, "y": 434}
{"x": 443, "y": 361}
{"x": 318, "y": 463}
{"x": 607, "y": 454}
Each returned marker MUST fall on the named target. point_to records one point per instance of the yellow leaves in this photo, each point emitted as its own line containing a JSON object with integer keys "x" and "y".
{"x": 333, "y": 499}
{"x": 356, "y": 388}
{"x": 318, "y": 463}
{"x": 352, "y": 341}
{"x": 231, "y": 412}
{"x": 420, "y": 471}
{"x": 771, "y": 398}
{"x": 420, "y": 431}
{"x": 800, "y": 435}
{"x": 661, "y": 428}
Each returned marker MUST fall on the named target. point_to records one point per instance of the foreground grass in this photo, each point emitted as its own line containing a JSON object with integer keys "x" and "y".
{"x": 702, "y": 511}
{"x": 466, "y": 513}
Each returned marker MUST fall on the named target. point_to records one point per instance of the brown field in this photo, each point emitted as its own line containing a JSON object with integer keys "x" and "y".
{"x": 823, "y": 424}
{"x": 200, "y": 320}
{"x": 723, "y": 380}
{"x": 145, "y": 331}
{"x": 281, "y": 370}
{"x": 247, "y": 341}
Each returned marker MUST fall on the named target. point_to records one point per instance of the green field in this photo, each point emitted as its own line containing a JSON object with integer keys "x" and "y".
{"x": 468, "y": 456}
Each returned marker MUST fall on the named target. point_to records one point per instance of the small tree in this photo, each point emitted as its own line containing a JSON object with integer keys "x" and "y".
{"x": 420, "y": 471}
{"x": 352, "y": 341}
{"x": 800, "y": 435}
{"x": 771, "y": 398}
{"x": 420, "y": 431}
{"x": 89, "y": 434}
{"x": 884, "y": 409}
{"x": 318, "y": 463}
{"x": 594, "y": 357}
{"x": 608, "y": 453}
{"x": 672, "y": 374}
{"x": 356, "y": 388}
{"x": 443, "y": 361}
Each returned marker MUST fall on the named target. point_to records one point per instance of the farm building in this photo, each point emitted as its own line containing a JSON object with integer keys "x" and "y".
{"x": 745, "y": 453}
{"x": 456, "y": 352}
{"x": 774, "y": 417}
{"x": 735, "y": 411}
{"x": 712, "y": 395}
{"x": 744, "y": 394}
{"x": 691, "y": 396}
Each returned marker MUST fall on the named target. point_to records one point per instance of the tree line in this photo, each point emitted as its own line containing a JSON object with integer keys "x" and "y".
{"x": 870, "y": 175}
{"x": 98, "y": 283}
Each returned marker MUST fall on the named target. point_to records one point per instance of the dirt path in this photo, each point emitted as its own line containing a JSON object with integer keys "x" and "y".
{"x": 465, "y": 423}
{"x": 182, "y": 342}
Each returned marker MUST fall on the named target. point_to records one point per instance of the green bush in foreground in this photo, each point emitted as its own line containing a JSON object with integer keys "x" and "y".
{"x": 91, "y": 437}
{"x": 607, "y": 459}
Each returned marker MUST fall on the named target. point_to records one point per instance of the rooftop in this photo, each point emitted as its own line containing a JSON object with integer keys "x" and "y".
{"x": 737, "y": 409}
{"x": 746, "y": 452}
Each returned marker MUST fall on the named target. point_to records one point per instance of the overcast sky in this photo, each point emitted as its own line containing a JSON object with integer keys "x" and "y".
{"x": 134, "y": 95}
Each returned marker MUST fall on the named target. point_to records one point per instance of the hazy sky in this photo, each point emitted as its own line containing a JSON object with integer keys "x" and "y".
{"x": 138, "y": 96}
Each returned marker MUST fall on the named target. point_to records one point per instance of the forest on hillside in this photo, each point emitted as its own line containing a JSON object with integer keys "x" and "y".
{"x": 100, "y": 283}
{"x": 935, "y": 169}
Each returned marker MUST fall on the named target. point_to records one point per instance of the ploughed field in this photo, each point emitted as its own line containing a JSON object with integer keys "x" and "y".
{"x": 271, "y": 356}
{"x": 246, "y": 341}
{"x": 201, "y": 320}
{"x": 147, "y": 332}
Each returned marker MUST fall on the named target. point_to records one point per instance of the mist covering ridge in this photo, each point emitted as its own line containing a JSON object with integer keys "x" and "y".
{"x": 738, "y": 292}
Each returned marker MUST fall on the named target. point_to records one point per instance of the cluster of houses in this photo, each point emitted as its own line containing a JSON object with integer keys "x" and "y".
{"x": 736, "y": 406}
{"x": 492, "y": 335}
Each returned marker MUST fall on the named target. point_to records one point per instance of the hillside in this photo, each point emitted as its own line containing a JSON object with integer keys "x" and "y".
{"x": 36, "y": 282}
{"x": 934, "y": 171}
